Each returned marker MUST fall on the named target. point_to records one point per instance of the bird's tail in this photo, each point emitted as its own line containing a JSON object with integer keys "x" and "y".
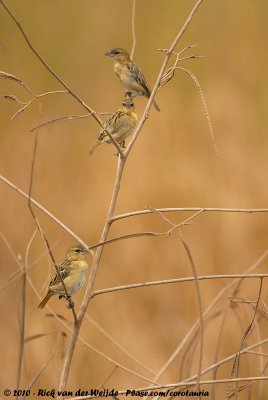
{"x": 45, "y": 299}
{"x": 156, "y": 106}
{"x": 94, "y": 147}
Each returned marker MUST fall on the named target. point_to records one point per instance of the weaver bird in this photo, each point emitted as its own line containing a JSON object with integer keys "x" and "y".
{"x": 130, "y": 75}
{"x": 120, "y": 125}
{"x": 73, "y": 271}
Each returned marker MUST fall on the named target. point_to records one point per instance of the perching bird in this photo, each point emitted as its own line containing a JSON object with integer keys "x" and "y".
{"x": 130, "y": 75}
{"x": 73, "y": 271}
{"x": 120, "y": 125}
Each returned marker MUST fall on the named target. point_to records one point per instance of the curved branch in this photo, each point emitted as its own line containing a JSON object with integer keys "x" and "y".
{"x": 177, "y": 280}
{"x": 187, "y": 209}
{"x": 133, "y": 28}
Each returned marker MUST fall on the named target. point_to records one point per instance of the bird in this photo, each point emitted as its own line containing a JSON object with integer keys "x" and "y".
{"x": 120, "y": 125}
{"x": 130, "y": 75}
{"x": 73, "y": 271}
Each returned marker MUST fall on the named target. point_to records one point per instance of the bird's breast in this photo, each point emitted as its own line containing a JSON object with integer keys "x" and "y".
{"x": 78, "y": 283}
{"x": 77, "y": 276}
{"x": 118, "y": 69}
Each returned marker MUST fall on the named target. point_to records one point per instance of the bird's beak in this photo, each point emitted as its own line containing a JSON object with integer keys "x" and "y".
{"x": 109, "y": 53}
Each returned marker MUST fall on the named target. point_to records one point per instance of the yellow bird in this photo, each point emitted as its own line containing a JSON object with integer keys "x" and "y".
{"x": 120, "y": 125}
{"x": 73, "y": 271}
{"x": 130, "y": 75}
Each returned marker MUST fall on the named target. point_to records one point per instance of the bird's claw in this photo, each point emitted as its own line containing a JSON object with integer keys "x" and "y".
{"x": 70, "y": 305}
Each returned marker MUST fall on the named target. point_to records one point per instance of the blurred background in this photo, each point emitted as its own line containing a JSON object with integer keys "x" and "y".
{"x": 173, "y": 164}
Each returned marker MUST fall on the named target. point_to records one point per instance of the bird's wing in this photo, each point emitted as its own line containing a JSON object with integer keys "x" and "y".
{"x": 64, "y": 272}
{"x": 107, "y": 126}
{"x": 112, "y": 124}
{"x": 139, "y": 77}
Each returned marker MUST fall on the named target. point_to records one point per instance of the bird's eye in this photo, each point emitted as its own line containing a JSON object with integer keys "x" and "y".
{"x": 77, "y": 250}
{"x": 116, "y": 52}
{"x": 128, "y": 105}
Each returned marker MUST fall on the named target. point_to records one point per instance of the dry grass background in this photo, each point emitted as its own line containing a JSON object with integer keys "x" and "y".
{"x": 171, "y": 165}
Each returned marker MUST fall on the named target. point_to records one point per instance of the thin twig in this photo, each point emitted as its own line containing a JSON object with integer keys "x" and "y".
{"x": 7, "y": 75}
{"x": 204, "y": 103}
{"x": 261, "y": 358}
{"x": 187, "y": 221}
{"x": 232, "y": 299}
{"x": 219, "y": 338}
{"x": 110, "y": 374}
{"x": 189, "y": 46}
{"x": 59, "y": 119}
{"x": 179, "y": 280}
{"x": 239, "y": 319}
{"x": 169, "y": 74}
{"x": 36, "y": 96}
{"x": 128, "y": 236}
{"x": 23, "y": 269}
{"x": 22, "y": 316}
{"x": 200, "y": 308}
{"x": 258, "y": 353}
{"x": 235, "y": 368}
{"x": 133, "y": 14}
{"x": 186, "y": 209}
{"x": 193, "y": 339}
{"x": 140, "y": 234}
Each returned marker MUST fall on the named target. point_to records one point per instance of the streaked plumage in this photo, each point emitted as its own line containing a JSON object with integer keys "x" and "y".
{"x": 73, "y": 271}
{"x": 130, "y": 74}
{"x": 120, "y": 125}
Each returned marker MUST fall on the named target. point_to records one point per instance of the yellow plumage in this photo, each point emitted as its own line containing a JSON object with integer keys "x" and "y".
{"x": 73, "y": 271}
{"x": 130, "y": 75}
{"x": 120, "y": 125}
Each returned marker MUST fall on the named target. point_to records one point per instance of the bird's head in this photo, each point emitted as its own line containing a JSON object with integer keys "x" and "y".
{"x": 76, "y": 252}
{"x": 118, "y": 54}
{"x": 128, "y": 104}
